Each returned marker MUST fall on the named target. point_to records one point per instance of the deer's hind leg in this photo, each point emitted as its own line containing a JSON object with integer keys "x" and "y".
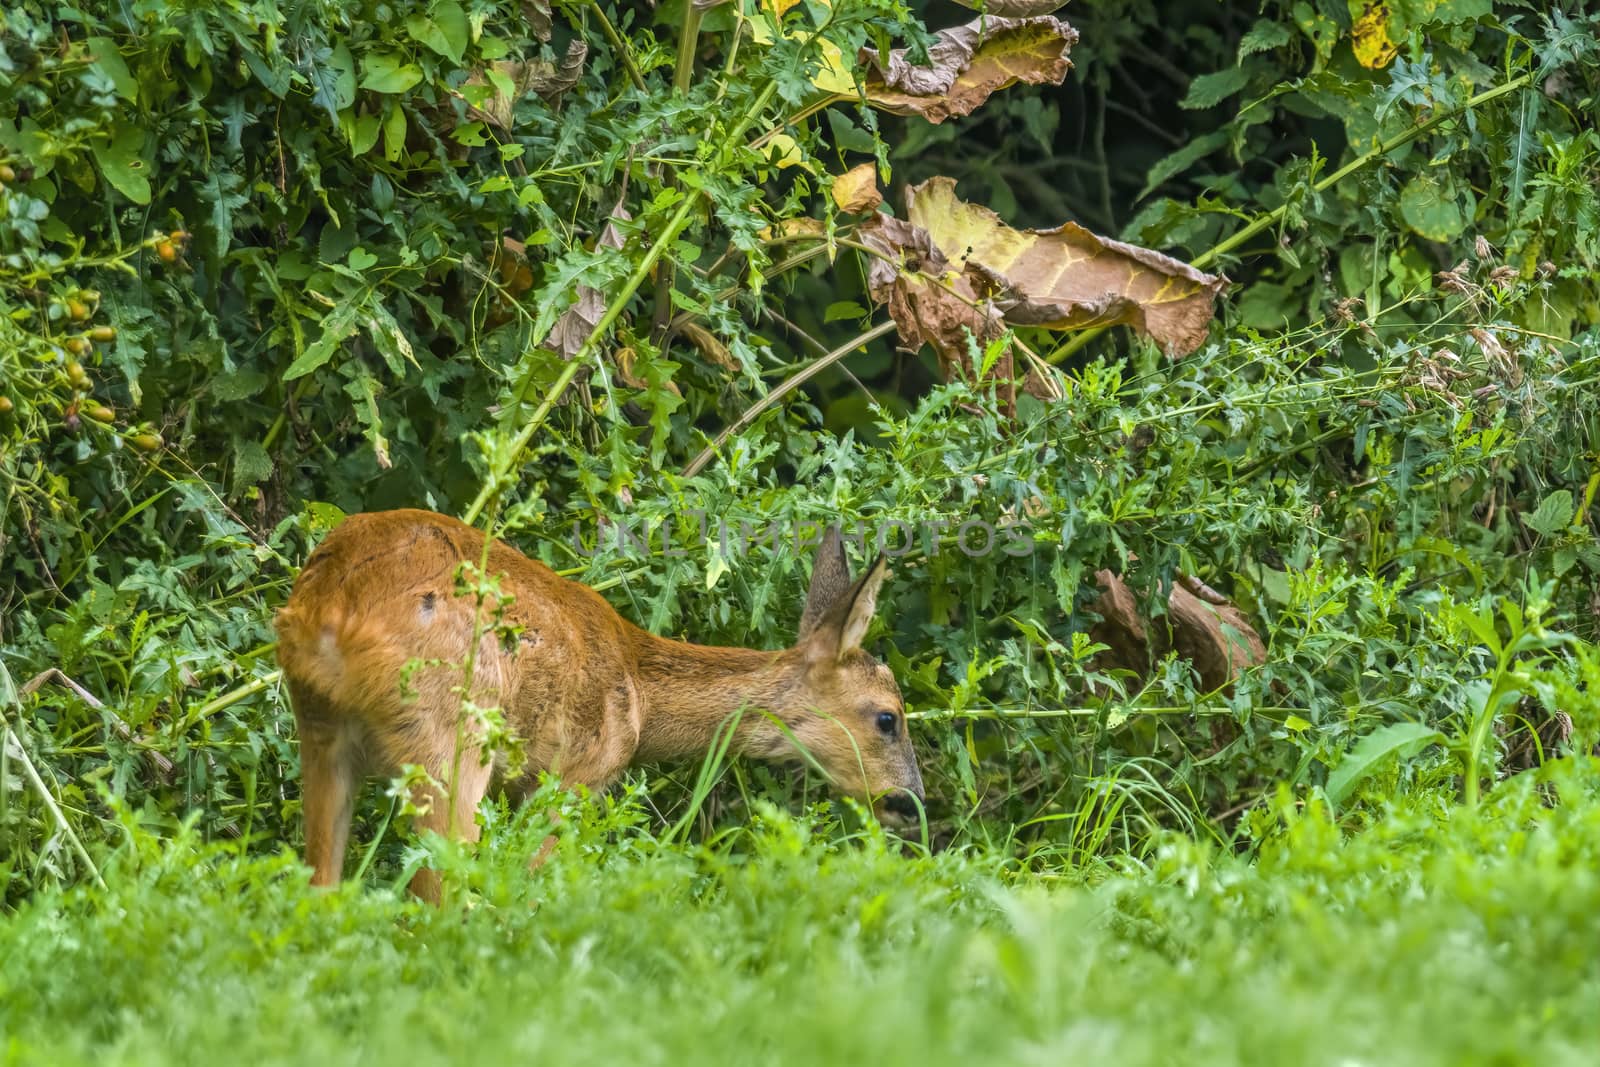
{"x": 432, "y": 732}
{"x": 330, "y": 772}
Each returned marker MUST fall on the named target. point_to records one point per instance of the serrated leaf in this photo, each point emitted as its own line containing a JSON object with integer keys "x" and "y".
{"x": 121, "y": 160}
{"x": 1264, "y": 36}
{"x": 1402, "y": 739}
{"x": 337, "y": 326}
{"x": 1209, "y": 90}
{"x": 251, "y": 463}
{"x": 333, "y": 79}
{"x": 1553, "y": 515}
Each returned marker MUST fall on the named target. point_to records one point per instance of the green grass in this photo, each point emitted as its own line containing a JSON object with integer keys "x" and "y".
{"x": 1437, "y": 934}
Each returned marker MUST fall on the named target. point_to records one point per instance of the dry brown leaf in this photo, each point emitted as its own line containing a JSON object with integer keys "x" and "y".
{"x": 856, "y": 190}
{"x": 548, "y": 80}
{"x": 578, "y": 321}
{"x": 1068, "y": 278}
{"x": 1216, "y": 638}
{"x": 537, "y": 15}
{"x": 1015, "y": 9}
{"x": 626, "y": 359}
{"x": 709, "y": 346}
{"x": 929, "y": 303}
{"x": 968, "y": 64}
{"x": 804, "y": 226}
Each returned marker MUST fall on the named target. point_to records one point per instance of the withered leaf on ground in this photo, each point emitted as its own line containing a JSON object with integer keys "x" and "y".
{"x": 548, "y": 80}
{"x": 968, "y": 64}
{"x": 578, "y": 321}
{"x": 856, "y": 190}
{"x": 1067, "y": 278}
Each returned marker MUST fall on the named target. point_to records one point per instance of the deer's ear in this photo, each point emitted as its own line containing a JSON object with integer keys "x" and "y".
{"x": 842, "y": 628}
{"x": 830, "y": 583}
{"x": 863, "y": 604}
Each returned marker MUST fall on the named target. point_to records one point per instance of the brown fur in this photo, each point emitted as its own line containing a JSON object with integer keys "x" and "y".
{"x": 589, "y": 692}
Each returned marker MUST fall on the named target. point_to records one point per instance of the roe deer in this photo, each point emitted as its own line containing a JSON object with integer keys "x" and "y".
{"x": 587, "y": 691}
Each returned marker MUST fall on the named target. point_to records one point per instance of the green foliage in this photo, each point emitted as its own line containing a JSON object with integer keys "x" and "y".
{"x": 1427, "y": 939}
{"x": 262, "y": 263}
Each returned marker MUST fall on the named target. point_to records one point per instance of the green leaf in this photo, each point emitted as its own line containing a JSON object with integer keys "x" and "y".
{"x": 1209, "y": 90}
{"x": 251, "y": 464}
{"x": 333, "y": 74}
{"x": 1432, "y": 209}
{"x": 1264, "y": 36}
{"x": 394, "y": 133}
{"x": 444, "y": 30}
{"x": 1403, "y": 739}
{"x": 1554, "y": 514}
{"x": 1180, "y": 160}
{"x": 362, "y": 131}
{"x": 384, "y": 72}
{"x": 121, "y": 161}
{"x": 113, "y": 66}
{"x": 337, "y": 325}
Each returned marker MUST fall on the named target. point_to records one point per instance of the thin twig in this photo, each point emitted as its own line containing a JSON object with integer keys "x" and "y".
{"x": 163, "y": 765}
{"x": 785, "y": 387}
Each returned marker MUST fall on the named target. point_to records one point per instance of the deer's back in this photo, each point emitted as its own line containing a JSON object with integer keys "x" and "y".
{"x": 375, "y": 610}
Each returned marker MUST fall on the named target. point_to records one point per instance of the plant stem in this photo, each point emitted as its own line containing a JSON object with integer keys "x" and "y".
{"x": 508, "y": 457}
{"x": 787, "y": 386}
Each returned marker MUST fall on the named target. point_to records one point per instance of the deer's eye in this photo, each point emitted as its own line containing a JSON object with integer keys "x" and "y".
{"x": 887, "y": 723}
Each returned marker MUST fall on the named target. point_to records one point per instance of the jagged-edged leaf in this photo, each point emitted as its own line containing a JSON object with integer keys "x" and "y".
{"x": 1067, "y": 278}
{"x": 968, "y": 64}
{"x": 1554, "y": 514}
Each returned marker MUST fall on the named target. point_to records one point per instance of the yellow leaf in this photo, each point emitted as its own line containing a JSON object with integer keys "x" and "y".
{"x": 856, "y": 190}
{"x": 1369, "y": 36}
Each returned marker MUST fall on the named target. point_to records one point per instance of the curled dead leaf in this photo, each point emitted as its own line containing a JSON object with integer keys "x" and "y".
{"x": 578, "y": 321}
{"x": 627, "y": 359}
{"x": 521, "y": 77}
{"x": 1067, "y": 278}
{"x": 709, "y": 346}
{"x": 1216, "y": 638}
{"x": 856, "y": 190}
{"x": 1015, "y": 8}
{"x": 968, "y": 64}
{"x": 930, "y": 304}
{"x": 789, "y": 229}
{"x": 537, "y": 14}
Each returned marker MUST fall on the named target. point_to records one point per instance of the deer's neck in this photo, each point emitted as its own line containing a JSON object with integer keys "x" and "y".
{"x": 689, "y": 691}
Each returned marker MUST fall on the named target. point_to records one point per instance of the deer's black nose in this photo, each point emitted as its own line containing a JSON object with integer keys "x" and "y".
{"x": 902, "y": 804}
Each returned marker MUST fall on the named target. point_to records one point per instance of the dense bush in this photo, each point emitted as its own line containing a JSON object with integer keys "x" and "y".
{"x": 266, "y": 262}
